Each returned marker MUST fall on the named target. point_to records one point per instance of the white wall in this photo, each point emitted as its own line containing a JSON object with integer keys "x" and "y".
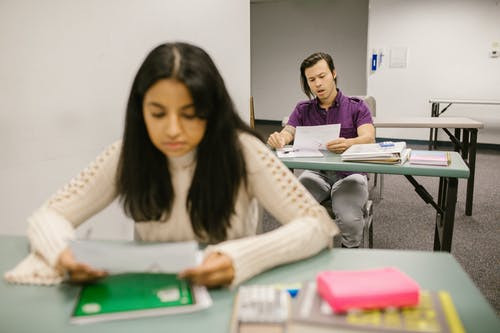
{"x": 66, "y": 68}
{"x": 285, "y": 32}
{"x": 448, "y": 43}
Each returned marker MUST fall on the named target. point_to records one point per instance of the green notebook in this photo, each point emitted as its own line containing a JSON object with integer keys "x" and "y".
{"x": 133, "y": 295}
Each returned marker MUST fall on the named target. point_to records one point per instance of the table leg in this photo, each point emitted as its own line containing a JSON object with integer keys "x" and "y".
{"x": 472, "y": 169}
{"x": 441, "y": 192}
{"x": 465, "y": 144}
{"x": 433, "y": 131}
{"x": 456, "y": 145}
{"x": 437, "y": 245}
{"x": 439, "y": 216}
{"x": 444, "y": 224}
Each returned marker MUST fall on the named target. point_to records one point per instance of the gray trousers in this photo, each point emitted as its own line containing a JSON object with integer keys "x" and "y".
{"x": 349, "y": 197}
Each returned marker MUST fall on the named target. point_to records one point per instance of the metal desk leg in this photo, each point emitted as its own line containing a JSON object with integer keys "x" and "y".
{"x": 441, "y": 191}
{"x": 443, "y": 233}
{"x": 465, "y": 144}
{"x": 433, "y": 131}
{"x": 439, "y": 216}
{"x": 472, "y": 169}
{"x": 456, "y": 146}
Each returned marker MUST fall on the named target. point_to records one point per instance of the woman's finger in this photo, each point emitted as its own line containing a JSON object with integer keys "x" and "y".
{"x": 212, "y": 277}
{"x": 216, "y": 269}
{"x": 82, "y": 272}
{"x": 77, "y": 271}
{"x": 208, "y": 266}
{"x": 81, "y": 276}
{"x": 216, "y": 278}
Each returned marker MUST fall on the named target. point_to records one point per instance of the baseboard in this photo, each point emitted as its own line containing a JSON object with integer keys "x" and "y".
{"x": 267, "y": 122}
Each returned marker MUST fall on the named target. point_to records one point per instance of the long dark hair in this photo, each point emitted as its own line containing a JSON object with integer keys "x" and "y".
{"x": 309, "y": 62}
{"x": 143, "y": 179}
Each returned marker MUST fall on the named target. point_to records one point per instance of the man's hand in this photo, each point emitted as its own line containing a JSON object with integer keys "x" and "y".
{"x": 276, "y": 140}
{"x": 216, "y": 270}
{"x": 338, "y": 145}
{"x": 77, "y": 271}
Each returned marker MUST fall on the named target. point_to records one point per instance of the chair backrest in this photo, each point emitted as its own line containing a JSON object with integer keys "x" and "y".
{"x": 370, "y": 101}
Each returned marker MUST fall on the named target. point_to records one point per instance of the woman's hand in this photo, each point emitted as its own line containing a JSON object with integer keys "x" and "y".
{"x": 216, "y": 270}
{"x": 78, "y": 272}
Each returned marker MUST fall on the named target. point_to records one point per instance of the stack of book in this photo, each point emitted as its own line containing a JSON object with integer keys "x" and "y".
{"x": 374, "y": 300}
{"x": 384, "y": 152}
{"x": 428, "y": 157}
{"x": 435, "y": 313}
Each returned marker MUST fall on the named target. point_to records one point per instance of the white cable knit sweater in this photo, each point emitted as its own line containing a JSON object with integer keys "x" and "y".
{"x": 307, "y": 227}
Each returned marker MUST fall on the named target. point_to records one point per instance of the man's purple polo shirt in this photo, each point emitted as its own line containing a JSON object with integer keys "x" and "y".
{"x": 349, "y": 112}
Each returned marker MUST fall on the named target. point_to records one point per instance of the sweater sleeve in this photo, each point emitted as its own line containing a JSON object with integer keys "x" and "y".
{"x": 307, "y": 226}
{"x": 52, "y": 225}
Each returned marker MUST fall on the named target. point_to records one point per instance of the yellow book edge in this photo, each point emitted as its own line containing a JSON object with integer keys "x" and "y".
{"x": 450, "y": 312}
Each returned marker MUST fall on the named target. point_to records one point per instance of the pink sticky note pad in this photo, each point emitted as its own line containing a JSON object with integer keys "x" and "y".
{"x": 367, "y": 289}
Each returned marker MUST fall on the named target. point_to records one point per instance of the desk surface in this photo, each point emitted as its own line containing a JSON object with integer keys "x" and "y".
{"x": 332, "y": 162}
{"x": 427, "y": 122}
{"x": 464, "y": 101}
{"x": 47, "y": 309}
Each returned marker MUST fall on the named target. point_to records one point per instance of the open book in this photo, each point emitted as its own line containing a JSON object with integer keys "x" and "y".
{"x": 386, "y": 153}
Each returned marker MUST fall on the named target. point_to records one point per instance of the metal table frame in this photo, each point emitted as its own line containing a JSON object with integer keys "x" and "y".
{"x": 447, "y": 193}
{"x": 464, "y": 140}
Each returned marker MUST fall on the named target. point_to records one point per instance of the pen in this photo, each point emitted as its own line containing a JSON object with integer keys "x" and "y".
{"x": 289, "y": 151}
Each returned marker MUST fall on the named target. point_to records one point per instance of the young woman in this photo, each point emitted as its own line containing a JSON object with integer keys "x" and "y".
{"x": 187, "y": 168}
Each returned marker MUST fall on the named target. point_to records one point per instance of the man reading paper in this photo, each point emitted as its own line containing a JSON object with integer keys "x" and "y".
{"x": 349, "y": 192}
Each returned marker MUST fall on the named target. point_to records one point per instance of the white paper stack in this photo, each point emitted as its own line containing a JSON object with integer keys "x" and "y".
{"x": 385, "y": 153}
{"x": 309, "y": 140}
{"x": 126, "y": 257}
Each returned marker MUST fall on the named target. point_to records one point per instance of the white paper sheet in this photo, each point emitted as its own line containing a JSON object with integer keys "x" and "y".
{"x": 315, "y": 137}
{"x": 126, "y": 257}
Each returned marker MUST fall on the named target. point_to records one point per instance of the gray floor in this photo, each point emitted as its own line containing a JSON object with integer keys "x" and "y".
{"x": 403, "y": 221}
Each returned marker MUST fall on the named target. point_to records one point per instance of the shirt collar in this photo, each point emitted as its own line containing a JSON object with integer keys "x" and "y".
{"x": 336, "y": 101}
{"x": 184, "y": 161}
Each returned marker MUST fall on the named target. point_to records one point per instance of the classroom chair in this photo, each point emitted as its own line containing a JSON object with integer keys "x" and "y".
{"x": 372, "y": 105}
